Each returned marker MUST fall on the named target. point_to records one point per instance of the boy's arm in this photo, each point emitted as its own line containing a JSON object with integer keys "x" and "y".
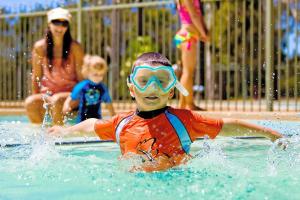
{"x": 110, "y": 108}
{"x": 107, "y": 100}
{"x": 86, "y": 126}
{"x": 69, "y": 105}
{"x": 232, "y": 127}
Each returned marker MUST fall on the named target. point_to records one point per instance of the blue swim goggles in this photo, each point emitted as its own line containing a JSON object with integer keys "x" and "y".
{"x": 163, "y": 77}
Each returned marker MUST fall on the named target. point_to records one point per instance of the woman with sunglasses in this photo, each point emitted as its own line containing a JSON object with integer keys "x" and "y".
{"x": 56, "y": 68}
{"x": 192, "y": 30}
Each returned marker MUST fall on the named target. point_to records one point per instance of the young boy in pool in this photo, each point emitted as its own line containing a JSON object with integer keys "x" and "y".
{"x": 91, "y": 92}
{"x": 159, "y": 134}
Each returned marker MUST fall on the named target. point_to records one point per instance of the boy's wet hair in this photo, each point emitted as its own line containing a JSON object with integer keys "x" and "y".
{"x": 152, "y": 58}
{"x": 93, "y": 62}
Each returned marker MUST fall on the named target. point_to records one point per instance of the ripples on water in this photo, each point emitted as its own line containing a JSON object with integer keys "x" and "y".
{"x": 222, "y": 169}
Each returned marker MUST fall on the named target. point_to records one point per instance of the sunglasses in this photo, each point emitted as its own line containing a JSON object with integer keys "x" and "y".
{"x": 60, "y": 23}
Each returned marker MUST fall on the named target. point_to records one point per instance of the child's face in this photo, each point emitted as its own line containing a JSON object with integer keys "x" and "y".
{"x": 96, "y": 75}
{"x": 153, "y": 97}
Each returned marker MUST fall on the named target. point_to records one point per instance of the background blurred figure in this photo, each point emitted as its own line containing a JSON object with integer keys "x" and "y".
{"x": 192, "y": 30}
{"x": 56, "y": 67}
{"x": 90, "y": 93}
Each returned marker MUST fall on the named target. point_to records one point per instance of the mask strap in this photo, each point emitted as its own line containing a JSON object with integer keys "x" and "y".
{"x": 181, "y": 89}
{"x": 128, "y": 79}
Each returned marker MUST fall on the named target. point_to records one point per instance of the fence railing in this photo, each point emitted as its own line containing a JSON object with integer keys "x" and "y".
{"x": 250, "y": 64}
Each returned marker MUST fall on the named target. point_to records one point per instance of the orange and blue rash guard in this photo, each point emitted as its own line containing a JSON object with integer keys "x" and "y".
{"x": 156, "y": 135}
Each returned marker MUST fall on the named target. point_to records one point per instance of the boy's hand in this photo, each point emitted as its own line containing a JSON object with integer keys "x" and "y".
{"x": 57, "y": 131}
{"x": 283, "y": 143}
{"x": 66, "y": 109}
{"x": 274, "y": 135}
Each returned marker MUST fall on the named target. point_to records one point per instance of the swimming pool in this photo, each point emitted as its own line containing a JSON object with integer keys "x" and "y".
{"x": 225, "y": 168}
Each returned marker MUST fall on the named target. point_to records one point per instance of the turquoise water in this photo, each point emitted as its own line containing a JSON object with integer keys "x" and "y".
{"x": 224, "y": 168}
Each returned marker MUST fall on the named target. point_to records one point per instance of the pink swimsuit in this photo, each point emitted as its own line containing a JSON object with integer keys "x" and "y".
{"x": 184, "y": 14}
{"x": 61, "y": 78}
{"x": 184, "y": 36}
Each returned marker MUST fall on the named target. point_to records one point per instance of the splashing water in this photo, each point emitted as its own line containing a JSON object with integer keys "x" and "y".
{"x": 47, "y": 121}
{"x": 43, "y": 145}
{"x": 224, "y": 168}
{"x": 289, "y": 157}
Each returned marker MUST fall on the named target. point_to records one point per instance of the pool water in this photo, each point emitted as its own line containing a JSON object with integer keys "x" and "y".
{"x": 224, "y": 168}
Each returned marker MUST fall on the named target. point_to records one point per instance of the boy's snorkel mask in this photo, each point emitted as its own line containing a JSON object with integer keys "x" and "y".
{"x": 145, "y": 78}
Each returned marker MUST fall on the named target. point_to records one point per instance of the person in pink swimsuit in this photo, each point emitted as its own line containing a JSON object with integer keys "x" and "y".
{"x": 192, "y": 30}
{"x": 56, "y": 68}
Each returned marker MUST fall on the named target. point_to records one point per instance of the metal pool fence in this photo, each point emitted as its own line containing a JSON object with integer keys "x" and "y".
{"x": 251, "y": 62}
